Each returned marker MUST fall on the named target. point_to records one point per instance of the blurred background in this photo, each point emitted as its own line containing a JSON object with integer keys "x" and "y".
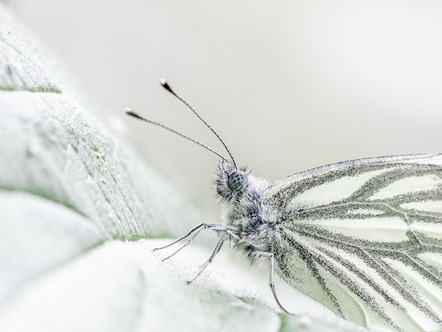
{"x": 289, "y": 85}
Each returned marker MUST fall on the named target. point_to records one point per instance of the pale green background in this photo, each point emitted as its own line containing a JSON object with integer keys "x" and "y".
{"x": 289, "y": 85}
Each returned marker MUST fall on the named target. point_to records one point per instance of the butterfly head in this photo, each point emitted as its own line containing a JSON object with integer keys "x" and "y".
{"x": 230, "y": 181}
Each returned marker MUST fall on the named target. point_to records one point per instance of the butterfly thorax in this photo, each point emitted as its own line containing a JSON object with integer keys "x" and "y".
{"x": 243, "y": 209}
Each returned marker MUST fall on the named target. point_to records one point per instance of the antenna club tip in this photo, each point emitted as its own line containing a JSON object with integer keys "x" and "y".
{"x": 165, "y": 85}
{"x": 132, "y": 113}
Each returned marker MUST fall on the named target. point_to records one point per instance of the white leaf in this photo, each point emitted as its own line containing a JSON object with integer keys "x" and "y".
{"x": 77, "y": 209}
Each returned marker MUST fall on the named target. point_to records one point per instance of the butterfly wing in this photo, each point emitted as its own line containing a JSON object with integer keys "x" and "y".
{"x": 364, "y": 237}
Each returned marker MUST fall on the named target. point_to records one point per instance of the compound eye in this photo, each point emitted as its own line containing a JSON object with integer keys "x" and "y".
{"x": 236, "y": 180}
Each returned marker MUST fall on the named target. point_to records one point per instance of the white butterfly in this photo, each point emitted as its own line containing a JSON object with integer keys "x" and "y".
{"x": 362, "y": 237}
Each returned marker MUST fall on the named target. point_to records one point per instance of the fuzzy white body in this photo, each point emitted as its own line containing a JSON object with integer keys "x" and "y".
{"x": 244, "y": 211}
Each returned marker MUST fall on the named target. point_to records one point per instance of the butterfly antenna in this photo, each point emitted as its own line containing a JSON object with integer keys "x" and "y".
{"x": 165, "y": 85}
{"x": 139, "y": 117}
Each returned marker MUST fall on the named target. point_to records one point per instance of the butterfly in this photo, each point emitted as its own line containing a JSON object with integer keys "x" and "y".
{"x": 362, "y": 237}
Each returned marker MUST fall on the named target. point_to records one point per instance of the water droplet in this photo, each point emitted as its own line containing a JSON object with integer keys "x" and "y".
{"x": 33, "y": 147}
{"x": 117, "y": 125}
{"x": 305, "y": 321}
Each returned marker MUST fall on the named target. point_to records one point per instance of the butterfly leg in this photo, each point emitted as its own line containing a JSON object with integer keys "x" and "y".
{"x": 224, "y": 230}
{"x": 197, "y": 228}
{"x": 210, "y": 260}
{"x": 271, "y": 272}
{"x": 183, "y": 246}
